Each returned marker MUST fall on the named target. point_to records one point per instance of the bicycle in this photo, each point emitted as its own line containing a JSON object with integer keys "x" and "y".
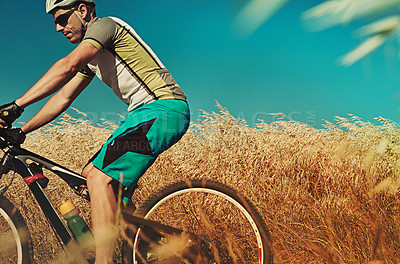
{"x": 191, "y": 221}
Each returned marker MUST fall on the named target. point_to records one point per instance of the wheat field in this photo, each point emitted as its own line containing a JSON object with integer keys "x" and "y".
{"x": 327, "y": 195}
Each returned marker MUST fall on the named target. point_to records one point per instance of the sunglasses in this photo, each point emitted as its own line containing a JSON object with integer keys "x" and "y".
{"x": 62, "y": 19}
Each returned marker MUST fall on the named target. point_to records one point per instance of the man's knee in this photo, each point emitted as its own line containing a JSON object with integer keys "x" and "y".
{"x": 96, "y": 177}
{"x": 86, "y": 169}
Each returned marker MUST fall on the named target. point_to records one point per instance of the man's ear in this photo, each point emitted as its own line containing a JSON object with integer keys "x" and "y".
{"x": 83, "y": 11}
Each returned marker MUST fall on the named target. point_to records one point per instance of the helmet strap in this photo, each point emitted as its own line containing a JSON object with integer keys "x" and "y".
{"x": 84, "y": 23}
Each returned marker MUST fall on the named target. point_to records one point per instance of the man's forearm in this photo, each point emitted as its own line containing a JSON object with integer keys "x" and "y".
{"x": 59, "y": 74}
{"x": 57, "y": 104}
{"x": 51, "y": 110}
{"x": 55, "y": 78}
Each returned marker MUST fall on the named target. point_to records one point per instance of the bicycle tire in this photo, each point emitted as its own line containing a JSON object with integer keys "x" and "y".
{"x": 15, "y": 242}
{"x": 234, "y": 200}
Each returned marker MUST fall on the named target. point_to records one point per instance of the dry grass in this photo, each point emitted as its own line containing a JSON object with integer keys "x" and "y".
{"x": 327, "y": 195}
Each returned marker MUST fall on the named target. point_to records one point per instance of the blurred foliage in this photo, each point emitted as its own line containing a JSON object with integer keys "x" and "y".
{"x": 381, "y": 18}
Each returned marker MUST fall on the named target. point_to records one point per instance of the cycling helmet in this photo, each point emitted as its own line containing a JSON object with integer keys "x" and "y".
{"x": 51, "y": 5}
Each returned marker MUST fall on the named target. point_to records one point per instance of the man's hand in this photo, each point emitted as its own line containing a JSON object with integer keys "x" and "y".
{"x": 15, "y": 135}
{"x": 8, "y": 114}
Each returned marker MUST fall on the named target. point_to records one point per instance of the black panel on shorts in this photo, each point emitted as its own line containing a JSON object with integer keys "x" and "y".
{"x": 132, "y": 140}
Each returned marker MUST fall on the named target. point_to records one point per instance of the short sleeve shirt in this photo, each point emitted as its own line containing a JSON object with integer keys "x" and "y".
{"x": 127, "y": 64}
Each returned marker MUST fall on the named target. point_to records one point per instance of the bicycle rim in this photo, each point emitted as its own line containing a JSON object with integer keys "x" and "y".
{"x": 14, "y": 241}
{"x": 226, "y": 227}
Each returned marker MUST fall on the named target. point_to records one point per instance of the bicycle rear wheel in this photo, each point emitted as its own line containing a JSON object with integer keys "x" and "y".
{"x": 15, "y": 243}
{"x": 219, "y": 224}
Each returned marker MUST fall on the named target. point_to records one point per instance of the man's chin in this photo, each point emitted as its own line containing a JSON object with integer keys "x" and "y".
{"x": 74, "y": 40}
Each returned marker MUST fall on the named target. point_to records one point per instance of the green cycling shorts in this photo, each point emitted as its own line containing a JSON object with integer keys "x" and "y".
{"x": 142, "y": 136}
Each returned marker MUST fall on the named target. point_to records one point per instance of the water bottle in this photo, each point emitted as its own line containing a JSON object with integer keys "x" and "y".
{"x": 76, "y": 224}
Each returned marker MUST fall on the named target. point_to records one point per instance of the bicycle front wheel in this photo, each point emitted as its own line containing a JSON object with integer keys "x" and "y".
{"x": 219, "y": 226}
{"x": 15, "y": 243}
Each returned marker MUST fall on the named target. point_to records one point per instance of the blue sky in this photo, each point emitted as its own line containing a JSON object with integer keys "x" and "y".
{"x": 279, "y": 68}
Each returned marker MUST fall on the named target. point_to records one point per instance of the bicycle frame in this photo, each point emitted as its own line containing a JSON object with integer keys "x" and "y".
{"x": 18, "y": 159}
{"x": 30, "y": 167}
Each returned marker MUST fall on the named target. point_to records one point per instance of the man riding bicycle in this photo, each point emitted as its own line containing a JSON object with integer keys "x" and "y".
{"x": 158, "y": 112}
